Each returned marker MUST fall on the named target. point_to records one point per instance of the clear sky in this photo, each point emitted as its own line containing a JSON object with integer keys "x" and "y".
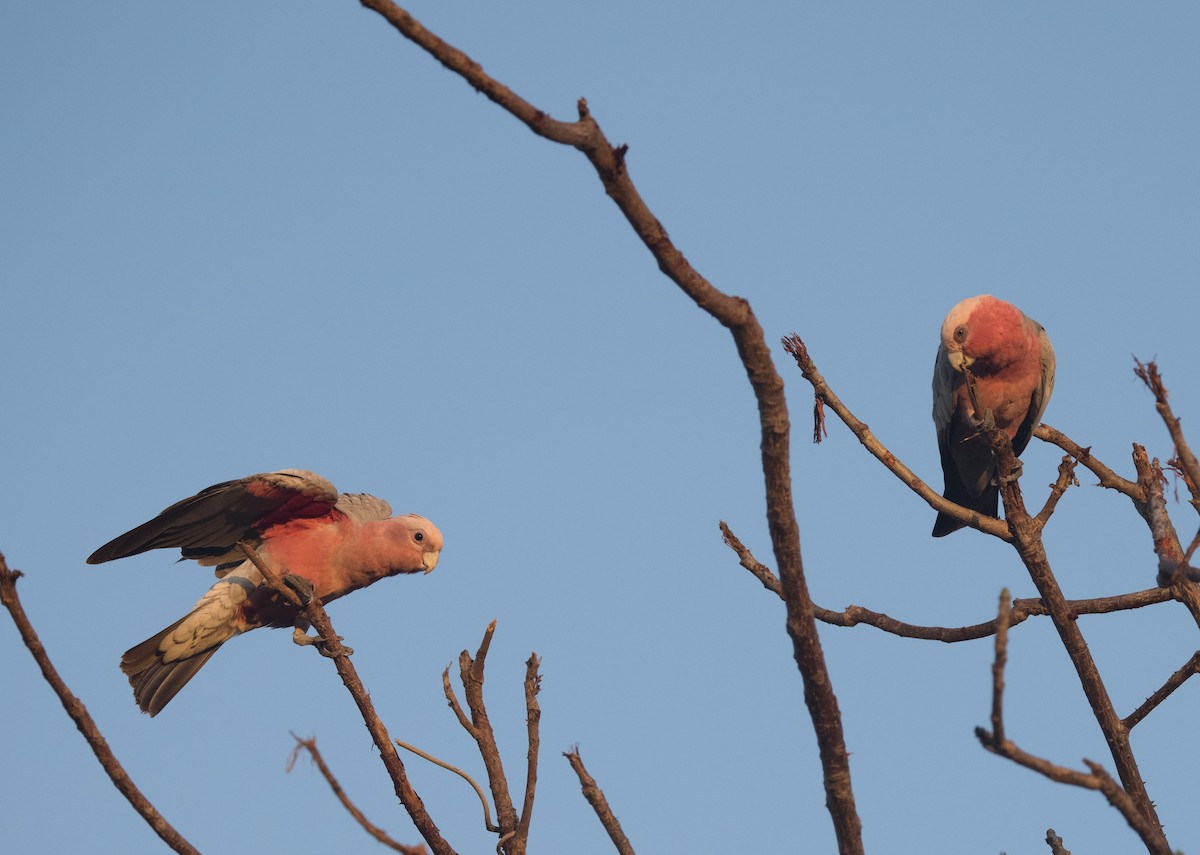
{"x": 237, "y": 237}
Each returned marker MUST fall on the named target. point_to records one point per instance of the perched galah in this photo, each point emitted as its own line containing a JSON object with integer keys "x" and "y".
{"x": 301, "y": 527}
{"x": 1012, "y": 362}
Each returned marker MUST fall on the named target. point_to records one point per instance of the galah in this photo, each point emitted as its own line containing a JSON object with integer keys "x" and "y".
{"x": 1010, "y": 357}
{"x": 302, "y": 528}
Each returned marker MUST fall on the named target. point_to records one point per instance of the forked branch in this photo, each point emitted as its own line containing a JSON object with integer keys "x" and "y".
{"x": 735, "y": 314}
{"x": 1096, "y": 778}
{"x": 315, "y": 614}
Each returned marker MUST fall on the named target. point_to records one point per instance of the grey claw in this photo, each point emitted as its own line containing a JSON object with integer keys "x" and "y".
{"x": 303, "y": 587}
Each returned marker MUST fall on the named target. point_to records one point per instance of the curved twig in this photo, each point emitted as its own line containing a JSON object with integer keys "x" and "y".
{"x": 487, "y": 811}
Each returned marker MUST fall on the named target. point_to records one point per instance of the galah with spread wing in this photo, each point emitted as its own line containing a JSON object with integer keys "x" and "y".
{"x": 1010, "y": 357}
{"x": 301, "y": 526}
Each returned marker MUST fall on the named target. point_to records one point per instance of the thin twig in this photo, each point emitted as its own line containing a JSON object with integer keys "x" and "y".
{"x": 1188, "y": 465}
{"x": 595, "y": 797}
{"x": 310, "y": 745}
{"x": 1173, "y": 682}
{"x": 487, "y": 812}
{"x": 314, "y": 612}
{"x": 794, "y": 345}
{"x": 1108, "y": 478}
{"x": 1066, "y": 478}
{"x": 1021, "y": 608}
{"x": 83, "y": 720}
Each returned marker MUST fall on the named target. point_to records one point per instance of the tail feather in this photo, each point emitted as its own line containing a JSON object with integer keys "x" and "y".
{"x": 154, "y": 680}
{"x": 987, "y": 503}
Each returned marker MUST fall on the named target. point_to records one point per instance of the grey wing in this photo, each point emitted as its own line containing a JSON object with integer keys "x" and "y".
{"x": 211, "y": 523}
{"x": 944, "y": 377}
{"x": 363, "y": 507}
{"x": 1041, "y": 395}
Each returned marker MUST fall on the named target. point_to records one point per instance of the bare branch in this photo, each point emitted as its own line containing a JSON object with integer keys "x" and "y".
{"x": 1027, "y": 540}
{"x": 1021, "y": 609}
{"x": 1173, "y": 682}
{"x": 533, "y": 718}
{"x": 1188, "y": 465}
{"x": 734, "y": 314}
{"x": 595, "y": 797}
{"x": 794, "y": 345}
{"x": 315, "y": 613}
{"x": 760, "y": 571}
{"x": 83, "y": 720}
{"x": 1107, "y": 477}
{"x": 1144, "y": 824}
{"x": 1066, "y": 478}
{"x": 310, "y": 745}
{"x": 452, "y": 700}
{"x": 487, "y": 811}
{"x": 1056, "y": 844}
{"x": 472, "y": 673}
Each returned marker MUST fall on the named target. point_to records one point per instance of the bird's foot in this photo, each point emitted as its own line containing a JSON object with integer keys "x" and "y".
{"x": 302, "y": 587}
{"x": 299, "y": 636}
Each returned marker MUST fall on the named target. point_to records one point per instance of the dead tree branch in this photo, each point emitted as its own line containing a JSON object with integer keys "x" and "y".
{"x": 595, "y": 797}
{"x": 83, "y": 720}
{"x": 1188, "y": 465}
{"x": 310, "y": 745}
{"x": 794, "y": 345}
{"x": 1027, "y": 539}
{"x": 1056, "y": 843}
{"x": 1107, "y": 477}
{"x": 735, "y": 315}
{"x": 1146, "y": 826}
{"x": 315, "y": 614}
{"x": 1021, "y": 608}
{"x": 1173, "y": 682}
{"x": 513, "y": 829}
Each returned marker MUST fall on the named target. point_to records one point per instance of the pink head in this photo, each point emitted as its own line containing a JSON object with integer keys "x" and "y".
{"x": 987, "y": 330}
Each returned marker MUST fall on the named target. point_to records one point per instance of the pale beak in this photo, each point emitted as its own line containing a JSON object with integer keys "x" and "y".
{"x": 959, "y": 360}
{"x": 429, "y": 560}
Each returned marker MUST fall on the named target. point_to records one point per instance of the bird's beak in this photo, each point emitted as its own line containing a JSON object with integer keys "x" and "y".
{"x": 429, "y": 561}
{"x": 959, "y": 360}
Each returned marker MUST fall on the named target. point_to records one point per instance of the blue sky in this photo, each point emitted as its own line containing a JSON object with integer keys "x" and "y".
{"x": 239, "y": 237}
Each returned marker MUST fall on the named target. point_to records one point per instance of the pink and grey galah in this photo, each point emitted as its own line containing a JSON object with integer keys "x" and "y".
{"x": 1010, "y": 357}
{"x": 301, "y": 527}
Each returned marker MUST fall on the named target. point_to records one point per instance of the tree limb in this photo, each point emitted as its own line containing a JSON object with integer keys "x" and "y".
{"x": 734, "y": 314}
{"x": 83, "y": 720}
{"x": 315, "y": 613}
{"x": 595, "y": 797}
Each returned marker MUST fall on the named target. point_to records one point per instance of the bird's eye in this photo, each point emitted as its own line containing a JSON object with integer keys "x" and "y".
{"x": 419, "y": 536}
{"x": 960, "y": 333}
